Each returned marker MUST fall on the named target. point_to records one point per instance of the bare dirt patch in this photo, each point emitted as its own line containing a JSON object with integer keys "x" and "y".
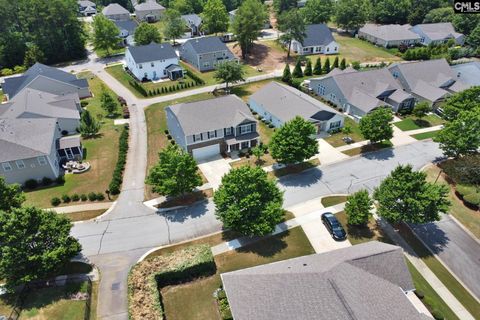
{"x": 261, "y": 56}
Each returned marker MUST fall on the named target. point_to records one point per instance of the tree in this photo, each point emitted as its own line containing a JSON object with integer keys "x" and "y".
{"x": 358, "y": 208}
{"x": 175, "y": 174}
{"x": 406, "y": 196}
{"x": 287, "y": 75}
{"x": 108, "y": 102}
{"x": 249, "y": 21}
{"x": 343, "y": 64}
{"x": 421, "y": 109}
{"x": 146, "y": 33}
{"x": 317, "y": 11}
{"x": 229, "y": 72}
{"x": 174, "y": 25}
{"x": 293, "y": 27}
{"x": 326, "y": 66}
{"x": 248, "y": 202}
{"x": 215, "y": 16}
{"x": 420, "y": 8}
{"x": 461, "y": 136}
{"x": 33, "y": 55}
{"x": 11, "y": 196}
{"x": 308, "y": 68}
{"x": 89, "y": 127}
{"x": 391, "y": 11}
{"x": 437, "y": 15}
{"x": 36, "y": 243}
{"x": 284, "y": 5}
{"x": 352, "y": 14}
{"x": 346, "y": 130}
{"x": 181, "y": 6}
{"x": 465, "y": 23}
{"x": 375, "y": 126}
{"x": 258, "y": 151}
{"x": 317, "y": 69}
{"x": 473, "y": 38}
{"x": 294, "y": 142}
{"x": 297, "y": 71}
{"x": 335, "y": 63}
{"x": 462, "y": 101}
{"x": 105, "y": 34}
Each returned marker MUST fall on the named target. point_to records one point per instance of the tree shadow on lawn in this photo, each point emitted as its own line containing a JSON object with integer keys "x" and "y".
{"x": 422, "y": 123}
{"x": 264, "y": 246}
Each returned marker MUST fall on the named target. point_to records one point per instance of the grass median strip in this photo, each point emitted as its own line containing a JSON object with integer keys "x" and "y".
{"x": 295, "y": 168}
{"x": 426, "y": 135}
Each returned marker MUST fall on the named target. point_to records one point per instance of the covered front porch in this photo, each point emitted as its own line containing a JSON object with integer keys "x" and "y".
{"x": 242, "y": 142}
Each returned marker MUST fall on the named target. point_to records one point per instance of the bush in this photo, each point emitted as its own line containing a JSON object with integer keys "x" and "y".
{"x": 472, "y": 199}
{"x": 66, "y": 198}
{"x": 195, "y": 78}
{"x": 117, "y": 178}
{"x": 31, "y": 184}
{"x": 46, "y": 181}
{"x": 92, "y": 196}
{"x": 464, "y": 190}
{"x": 419, "y": 294}
{"x": 100, "y": 196}
{"x": 169, "y": 137}
{"x": 6, "y": 72}
{"x": 60, "y": 180}
{"x": 75, "y": 197}
{"x": 83, "y": 197}
{"x": 55, "y": 201}
{"x": 166, "y": 131}
{"x": 172, "y": 141}
{"x": 437, "y": 315}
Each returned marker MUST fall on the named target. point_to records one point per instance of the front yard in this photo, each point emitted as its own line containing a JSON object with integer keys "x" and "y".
{"x": 426, "y": 135}
{"x": 336, "y": 139}
{"x": 368, "y": 148}
{"x": 414, "y": 123}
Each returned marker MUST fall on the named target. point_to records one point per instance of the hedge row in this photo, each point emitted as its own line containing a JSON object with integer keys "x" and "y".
{"x": 92, "y": 196}
{"x": 147, "y": 276}
{"x": 138, "y": 87}
{"x": 172, "y": 88}
{"x": 117, "y": 178}
{"x": 197, "y": 79}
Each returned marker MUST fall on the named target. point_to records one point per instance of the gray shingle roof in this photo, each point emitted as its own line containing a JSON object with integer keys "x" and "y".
{"x": 148, "y": 6}
{"x": 30, "y": 103}
{"x": 285, "y": 103}
{"x": 86, "y": 3}
{"x": 14, "y": 85}
{"x": 317, "y": 35}
{"x": 129, "y": 25}
{"x": 364, "y": 281}
{"x": 390, "y": 32}
{"x": 207, "y": 44}
{"x": 152, "y": 52}
{"x": 114, "y": 8}
{"x": 26, "y": 138}
{"x": 469, "y": 72}
{"x": 438, "y": 31}
{"x": 192, "y": 19}
{"x": 206, "y": 115}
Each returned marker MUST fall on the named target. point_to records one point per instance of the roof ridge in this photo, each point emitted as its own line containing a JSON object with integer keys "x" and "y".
{"x": 340, "y": 295}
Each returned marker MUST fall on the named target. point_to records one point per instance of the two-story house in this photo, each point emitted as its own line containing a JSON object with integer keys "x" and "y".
{"x": 86, "y": 8}
{"x": 149, "y": 11}
{"x": 116, "y": 12}
{"x": 205, "y": 53}
{"x": 153, "y": 61}
{"x": 209, "y": 127}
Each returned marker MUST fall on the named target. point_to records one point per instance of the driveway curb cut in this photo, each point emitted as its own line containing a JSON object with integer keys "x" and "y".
{"x": 100, "y": 216}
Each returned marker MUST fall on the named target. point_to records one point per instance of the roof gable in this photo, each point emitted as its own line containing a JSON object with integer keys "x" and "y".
{"x": 113, "y": 9}
{"x": 152, "y": 52}
{"x": 203, "y": 45}
{"x": 317, "y": 35}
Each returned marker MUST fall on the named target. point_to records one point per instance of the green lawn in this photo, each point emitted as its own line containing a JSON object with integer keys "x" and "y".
{"x": 1, "y": 96}
{"x": 426, "y": 135}
{"x": 414, "y": 123}
{"x": 368, "y": 148}
{"x": 198, "y": 294}
{"x": 336, "y": 139}
{"x": 333, "y": 200}
{"x": 101, "y": 152}
{"x": 113, "y": 52}
{"x": 294, "y": 168}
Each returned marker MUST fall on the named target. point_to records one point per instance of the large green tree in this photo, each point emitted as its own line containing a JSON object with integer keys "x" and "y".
{"x": 420, "y": 8}
{"x": 108, "y": 102}
{"x": 317, "y": 11}
{"x": 421, "y": 109}
{"x": 473, "y": 38}
{"x": 294, "y": 141}
{"x": 284, "y": 5}
{"x": 249, "y": 202}
{"x": 462, "y": 101}
{"x": 146, "y": 33}
{"x": 406, "y": 196}
{"x": 465, "y": 23}
{"x": 461, "y": 136}
{"x": 358, "y": 208}
{"x": 249, "y": 20}
{"x": 229, "y": 72}
{"x": 352, "y": 14}
{"x": 292, "y": 25}
{"x": 215, "y": 17}
{"x": 375, "y": 126}
{"x": 175, "y": 174}
{"x": 391, "y": 11}
{"x": 89, "y": 126}
{"x": 11, "y": 195}
{"x": 437, "y": 15}
{"x": 36, "y": 243}
{"x": 174, "y": 25}
{"x": 105, "y": 34}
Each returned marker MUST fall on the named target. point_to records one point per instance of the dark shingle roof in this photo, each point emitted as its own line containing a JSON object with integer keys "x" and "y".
{"x": 152, "y": 52}
{"x": 129, "y": 25}
{"x": 207, "y": 44}
{"x": 192, "y": 19}
{"x": 317, "y": 35}
{"x": 365, "y": 281}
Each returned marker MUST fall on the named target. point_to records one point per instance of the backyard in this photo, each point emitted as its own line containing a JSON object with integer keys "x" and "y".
{"x": 101, "y": 152}
{"x": 414, "y": 123}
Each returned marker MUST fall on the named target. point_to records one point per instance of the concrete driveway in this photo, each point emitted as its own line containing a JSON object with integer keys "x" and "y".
{"x": 214, "y": 169}
{"x": 328, "y": 154}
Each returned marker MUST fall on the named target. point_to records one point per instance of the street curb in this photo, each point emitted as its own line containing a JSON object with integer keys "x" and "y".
{"x": 100, "y": 216}
{"x": 464, "y": 229}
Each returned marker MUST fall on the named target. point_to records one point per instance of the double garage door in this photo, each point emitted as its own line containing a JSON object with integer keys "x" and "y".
{"x": 206, "y": 152}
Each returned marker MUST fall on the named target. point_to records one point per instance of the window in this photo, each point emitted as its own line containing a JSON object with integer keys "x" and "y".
{"x": 245, "y": 129}
{"x": 6, "y": 166}
{"x": 333, "y": 97}
{"x": 140, "y": 66}
{"x": 20, "y": 164}
{"x": 206, "y": 64}
{"x": 395, "y": 74}
{"x": 336, "y": 48}
{"x": 152, "y": 64}
{"x": 328, "y": 49}
{"x": 321, "y": 90}
{"x": 335, "y": 124}
{"x": 228, "y": 131}
{"x": 212, "y": 134}
{"x": 42, "y": 161}
{"x": 197, "y": 137}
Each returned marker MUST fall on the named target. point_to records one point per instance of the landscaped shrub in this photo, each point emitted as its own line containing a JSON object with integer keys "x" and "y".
{"x": 166, "y": 131}
{"x": 92, "y": 196}
{"x": 66, "y": 198}
{"x": 83, "y": 197}
{"x": 172, "y": 141}
{"x": 472, "y": 199}
{"x": 116, "y": 182}
{"x": 100, "y": 196}
{"x": 169, "y": 137}
{"x": 46, "y": 181}
{"x": 84, "y": 103}
{"x": 419, "y": 294}
{"x": 75, "y": 197}
{"x": 437, "y": 315}
{"x": 464, "y": 190}
{"x": 31, "y": 184}
{"x": 55, "y": 201}
{"x": 6, "y": 72}
{"x": 60, "y": 180}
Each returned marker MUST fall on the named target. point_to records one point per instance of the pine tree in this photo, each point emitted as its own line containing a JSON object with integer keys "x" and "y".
{"x": 308, "y": 68}
{"x": 343, "y": 64}
{"x": 297, "y": 71}
{"x": 318, "y": 67}
{"x": 89, "y": 127}
{"x": 335, "y": 63}
{"x": 326, "y": 66}
{"x": 287, "y": 76}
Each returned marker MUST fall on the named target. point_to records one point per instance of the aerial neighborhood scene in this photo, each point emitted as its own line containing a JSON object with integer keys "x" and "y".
{"x": 239, "y": 159}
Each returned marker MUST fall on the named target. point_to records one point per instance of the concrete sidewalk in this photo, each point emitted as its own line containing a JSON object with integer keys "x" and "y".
{"x": 423, "y": 130}
{"x": 83, "y": 207}
{"x": 353, "y": 145}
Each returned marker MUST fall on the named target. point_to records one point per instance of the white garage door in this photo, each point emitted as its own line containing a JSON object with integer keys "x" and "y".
{"x": 206, "y": 152}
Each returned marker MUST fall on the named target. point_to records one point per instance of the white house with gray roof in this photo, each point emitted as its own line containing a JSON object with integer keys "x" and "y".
{"x": 279, "y": 103}
{"x": 390, "y": 35}
{"x": 363, "y": 282}
{"x": 437, "y": 33}
{"x": 205, "y": 53}
{"x": 318, "y": 40}
{"x": 114, "y": 11}
{"x": 149, "y": 11}
{"x": 48, "y": 79}
{"x": 209, "y": 127}
{"x": 430, "y": 81}
{"x": 358, "y": 93}
{"x": 126, "y": 31}
{"x": 153, "y": 61}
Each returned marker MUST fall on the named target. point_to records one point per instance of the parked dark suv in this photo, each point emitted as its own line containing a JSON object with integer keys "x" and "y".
{"x": 333, "y": 226}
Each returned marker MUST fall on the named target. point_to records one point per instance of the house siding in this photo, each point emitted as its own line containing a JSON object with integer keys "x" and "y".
{"x": 155, "y": 72}
{"x": 262, "y": 112}
{"x": 206, "y": 61}
{"x": 175, "y": 129}
{"x": 142, "y": 14}
{"x": 331, "y": 48}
